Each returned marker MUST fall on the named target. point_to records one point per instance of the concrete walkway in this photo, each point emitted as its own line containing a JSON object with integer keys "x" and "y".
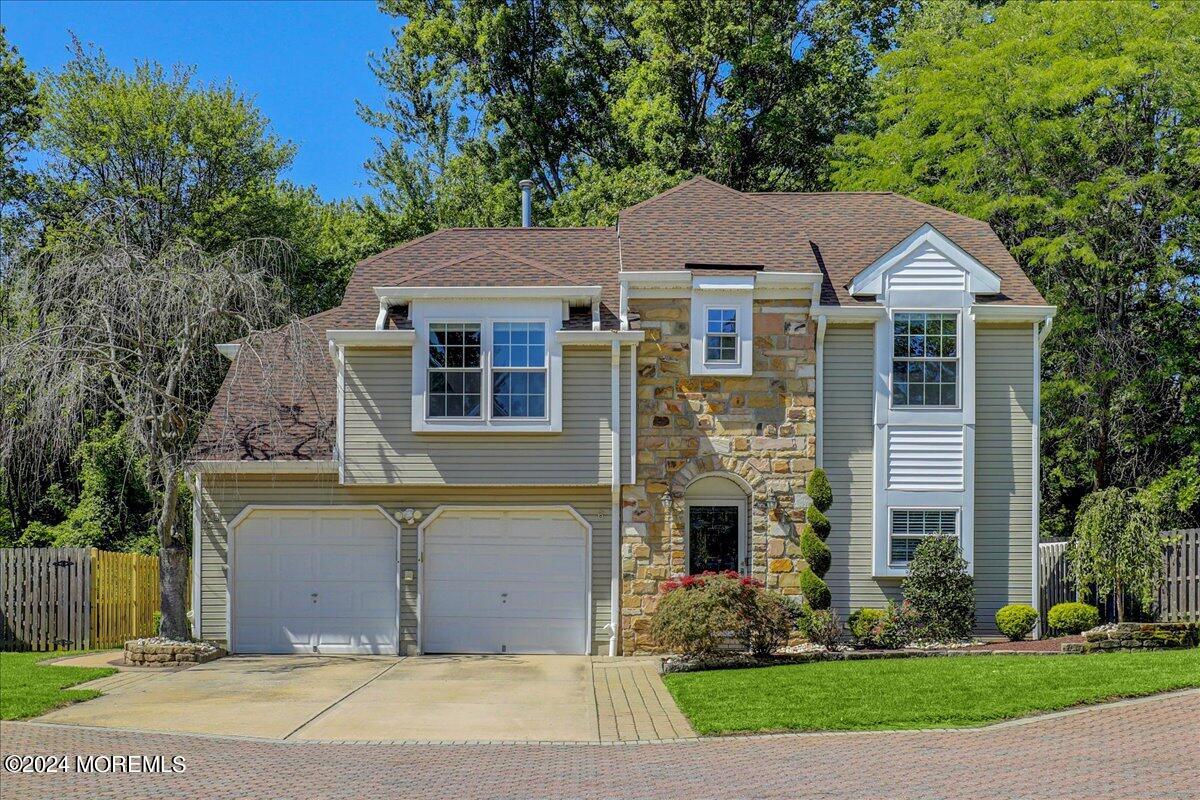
{"x": 1144, "y": 748}
{"x": 384, "y": 698}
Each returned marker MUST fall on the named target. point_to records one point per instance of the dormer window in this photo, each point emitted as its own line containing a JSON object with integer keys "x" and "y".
{"x": 455, "y": 370}
{"x": 721, "y": 339}
{"x": 519, "y": 369}
{"x": 482, "y": 367}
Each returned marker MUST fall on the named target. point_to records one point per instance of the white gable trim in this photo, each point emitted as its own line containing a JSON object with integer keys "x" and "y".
{"x": 980, "y": 279}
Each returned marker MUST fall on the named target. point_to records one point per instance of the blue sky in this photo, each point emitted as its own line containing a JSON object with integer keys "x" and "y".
{"x": 305, "y": 63}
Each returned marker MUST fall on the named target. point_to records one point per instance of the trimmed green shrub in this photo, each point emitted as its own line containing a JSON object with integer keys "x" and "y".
{"x": 888, "y": 629}
{"x": 1068, "y": 619}
{"x": 819, "y": 490}
{"x": 814, "y": 551}
{"x": 940, "y": 590}
{"x": 818, "y": 521}
{"x": 864, "y": 623}
{"x": 820, "y": 626}
{"x": 697, "y": 615}
{"x": 812, "y": 542}
{"x": 1016, "y": 620}
{"x": 815, "y": 591}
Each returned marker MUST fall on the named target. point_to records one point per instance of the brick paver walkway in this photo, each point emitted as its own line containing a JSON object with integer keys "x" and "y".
{"x": 633, "y": 704}
{"x": 1148, "y": 748}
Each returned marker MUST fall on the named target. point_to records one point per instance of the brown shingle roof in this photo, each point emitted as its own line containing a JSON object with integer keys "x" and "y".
{"x": 851, "y": 230}
{"x": 702, "y": 222}
{"x": 278, "y": 400}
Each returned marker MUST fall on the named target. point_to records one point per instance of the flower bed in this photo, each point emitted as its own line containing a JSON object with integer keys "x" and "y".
{"x": 673, "y": 664}
{"x": 160, "y": 652}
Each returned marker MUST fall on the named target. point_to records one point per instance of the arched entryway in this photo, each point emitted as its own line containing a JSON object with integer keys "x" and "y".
{"x": 716, "y": 525}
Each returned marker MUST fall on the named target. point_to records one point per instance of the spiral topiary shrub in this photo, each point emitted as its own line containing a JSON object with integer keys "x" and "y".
{"x": 812, "y": 542}
{"x": 1016, "y": 621}
{"x": 1068, "y": 619}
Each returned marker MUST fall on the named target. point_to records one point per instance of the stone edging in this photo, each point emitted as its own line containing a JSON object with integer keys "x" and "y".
{"x": 699, "y": 741}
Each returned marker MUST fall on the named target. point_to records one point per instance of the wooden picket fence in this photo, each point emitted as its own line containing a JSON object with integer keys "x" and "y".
{"x": 1178, "y": 597}
{"x": 75, "y": 597}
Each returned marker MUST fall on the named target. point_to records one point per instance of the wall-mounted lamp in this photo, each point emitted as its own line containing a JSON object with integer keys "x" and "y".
{"x": 409, "y": 515}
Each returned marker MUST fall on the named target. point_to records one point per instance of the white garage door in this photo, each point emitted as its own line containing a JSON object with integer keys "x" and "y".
{"x": 505, "y": 581}
{"x": 314, "y": 582}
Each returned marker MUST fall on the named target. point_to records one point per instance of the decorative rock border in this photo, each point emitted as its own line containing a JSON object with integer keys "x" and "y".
{"x": 162, "y": 653}
{"x": 1133, "y": 636}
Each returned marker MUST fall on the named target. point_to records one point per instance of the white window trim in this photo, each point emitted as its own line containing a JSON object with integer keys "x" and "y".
{"x": 958, "y": 512}
{"x": 958, "y": 359}
{"x": 737, "y": 350}
{"x": 738, "y": 296}
{"x": 482, "y": 369}
{"x": 546, "y": 313}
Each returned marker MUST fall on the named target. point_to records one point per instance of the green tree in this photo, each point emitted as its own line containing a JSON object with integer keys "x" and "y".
{"x": 113, "y": 510}
{"x": 178, "y": 158}
{"x": 1072, "y": 128}
{"x": 1117, "y": 548}
{"x": 605, "y": 103}
{"x": 19, "y": 119}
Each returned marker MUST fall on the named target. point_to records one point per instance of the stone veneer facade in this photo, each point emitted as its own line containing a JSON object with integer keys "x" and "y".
{"x": 760, "y": 428}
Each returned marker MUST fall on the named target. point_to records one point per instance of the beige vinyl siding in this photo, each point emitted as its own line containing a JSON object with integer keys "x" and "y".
{"x": 224, "y": 497}
{"x": 380, "y": 446}
{"x": 626, "y": 427}
{"x": 847, "y": 450}
{"x": 1003, "y": 469}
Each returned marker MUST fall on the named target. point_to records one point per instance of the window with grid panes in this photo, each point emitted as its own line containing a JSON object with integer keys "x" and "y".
{"x": 720, "y": 335}
{"x": 455, "y": 370}
{"x": 925, "y": 359}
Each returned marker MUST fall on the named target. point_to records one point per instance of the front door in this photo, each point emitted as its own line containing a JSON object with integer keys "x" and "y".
{"x": 714, "y": 538}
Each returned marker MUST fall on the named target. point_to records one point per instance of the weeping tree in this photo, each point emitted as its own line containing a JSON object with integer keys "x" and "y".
{"x": 812, "y": 542}
{"x": 1117, "y": 548}
{"x": 101, "y": 322}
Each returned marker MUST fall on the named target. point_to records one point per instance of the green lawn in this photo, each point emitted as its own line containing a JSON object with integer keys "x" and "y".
{"x": 919, "y": 692}
{"x": 28, "y": 689}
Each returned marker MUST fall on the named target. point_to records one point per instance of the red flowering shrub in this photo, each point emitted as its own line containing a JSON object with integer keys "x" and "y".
{"x": 698, "y": 614}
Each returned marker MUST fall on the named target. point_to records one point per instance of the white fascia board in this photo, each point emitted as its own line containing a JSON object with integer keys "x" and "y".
{"x": 989, "y": 312}
{"x": 402, "y": 294}
{"x": 849, "y": 315}
{"x": 254, "y": 467}
{"x": 598, "y": 338}
{"x": 981, "y": 280}
{"x": 680, "y": 283}
{"x": 229, "y": 349}
{"x": 372, "y": 338}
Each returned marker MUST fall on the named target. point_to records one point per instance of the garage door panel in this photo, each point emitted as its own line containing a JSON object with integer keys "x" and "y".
{"x": 503, "y": 581}
{"x": 311, "y": 581}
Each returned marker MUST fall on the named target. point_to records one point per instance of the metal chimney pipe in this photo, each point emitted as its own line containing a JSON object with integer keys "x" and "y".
{"x": 526, "y": 203}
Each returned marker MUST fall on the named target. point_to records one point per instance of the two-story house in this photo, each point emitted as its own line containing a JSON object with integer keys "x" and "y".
{"x": 504, "y": 440}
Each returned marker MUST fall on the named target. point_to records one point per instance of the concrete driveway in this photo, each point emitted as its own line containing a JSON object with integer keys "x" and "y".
{"x": 426, "y": 698}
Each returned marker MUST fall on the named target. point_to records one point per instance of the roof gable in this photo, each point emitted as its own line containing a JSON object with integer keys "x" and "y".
{"x": 970, "y": 275}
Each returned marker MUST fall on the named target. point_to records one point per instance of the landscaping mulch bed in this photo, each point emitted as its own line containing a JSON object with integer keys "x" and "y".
{"x": 1033, "y": 646}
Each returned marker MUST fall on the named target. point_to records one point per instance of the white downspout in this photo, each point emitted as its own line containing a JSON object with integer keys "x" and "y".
{"x": 197, "y": 488}
{"x": 818, "y": 401}
{"x": 615, "y": 446}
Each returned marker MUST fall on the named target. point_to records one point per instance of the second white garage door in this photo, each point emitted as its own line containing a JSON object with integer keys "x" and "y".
{"x": 505, "y": 581}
